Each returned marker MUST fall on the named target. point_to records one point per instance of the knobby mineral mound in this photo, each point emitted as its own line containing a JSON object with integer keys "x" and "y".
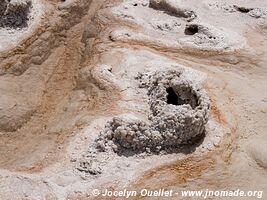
{"x": 179, "y": 113}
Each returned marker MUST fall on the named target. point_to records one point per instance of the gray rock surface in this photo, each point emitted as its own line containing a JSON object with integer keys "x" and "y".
{"x": 14, "y": 13}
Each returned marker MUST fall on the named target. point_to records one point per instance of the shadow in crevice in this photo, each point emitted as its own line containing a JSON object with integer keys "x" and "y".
{"x": 171, "y": 10}
{"x": 242, "y": 9}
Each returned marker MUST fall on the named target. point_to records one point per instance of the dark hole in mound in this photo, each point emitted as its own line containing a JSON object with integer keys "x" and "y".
{"x": 191, "y": 29}
{"x": 183, "y": 96}
{"x": 172, "y": 97}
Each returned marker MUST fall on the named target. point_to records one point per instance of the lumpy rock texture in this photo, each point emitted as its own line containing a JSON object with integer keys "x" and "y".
{"x": 178, "y": 114}
{"x": 14, "y": 13}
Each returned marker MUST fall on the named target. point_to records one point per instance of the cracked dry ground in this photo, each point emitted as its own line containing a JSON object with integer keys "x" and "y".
{"x": 72, "y": 70}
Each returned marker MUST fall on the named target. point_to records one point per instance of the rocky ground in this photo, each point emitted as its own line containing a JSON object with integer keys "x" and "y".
{"x": 131, "y": 94}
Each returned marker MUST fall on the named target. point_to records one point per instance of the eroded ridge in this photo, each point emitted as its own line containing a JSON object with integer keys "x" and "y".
{"x": 255, "y": 12}
{"x": 179, "y": 112}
